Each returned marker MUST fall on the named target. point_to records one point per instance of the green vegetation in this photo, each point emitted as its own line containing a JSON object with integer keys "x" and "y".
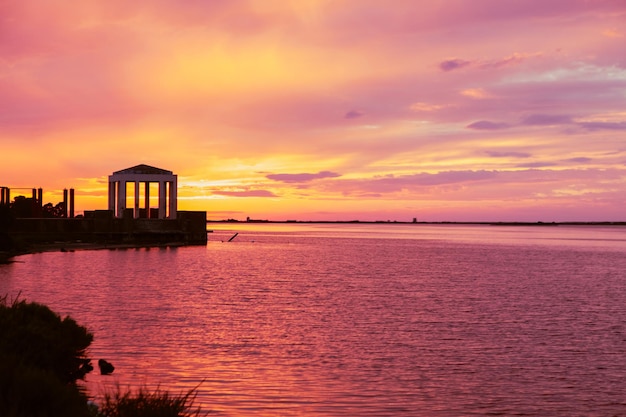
{"x": 43, "y": 355}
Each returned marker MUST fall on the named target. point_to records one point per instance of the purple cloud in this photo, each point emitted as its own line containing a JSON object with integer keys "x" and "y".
{"x": 450, "y": 177}
{"x": 512, "y": 154}
{"x": 536, "y": 165}
{"x": 547, "y": 120}
{"x": 603, "y": 125}
{"x": 393, "y": 183}
{"x": 510, "y": 60}
{"x": 304, "y": 177}
{"x": 354, "y": 114}
{"x": 580, "y": 160}
{"x": 453, "y": 64}
{"x": 456, "y": 63}
{"x": 487, "y": 125}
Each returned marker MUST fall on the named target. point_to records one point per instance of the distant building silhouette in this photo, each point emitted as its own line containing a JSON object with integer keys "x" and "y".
{"x": 145, "y": 174}
{"x": 26, "y": 222}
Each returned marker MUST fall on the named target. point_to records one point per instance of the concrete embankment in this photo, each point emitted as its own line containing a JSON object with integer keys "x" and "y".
{"x": 100, "y": 230}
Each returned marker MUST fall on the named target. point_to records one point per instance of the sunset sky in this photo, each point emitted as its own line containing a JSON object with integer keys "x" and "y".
{"x": 453, "y": 110}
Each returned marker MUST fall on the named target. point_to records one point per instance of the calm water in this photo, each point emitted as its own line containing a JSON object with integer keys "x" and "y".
{"x": 346, "y": 320}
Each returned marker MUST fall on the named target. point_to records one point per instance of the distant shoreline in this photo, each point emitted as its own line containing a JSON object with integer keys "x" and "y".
{"x": 8, "y": 257}
{"x": 604, "y": 223}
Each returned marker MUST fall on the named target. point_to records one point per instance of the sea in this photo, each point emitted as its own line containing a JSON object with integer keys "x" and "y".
{"x": 355, "y": 319}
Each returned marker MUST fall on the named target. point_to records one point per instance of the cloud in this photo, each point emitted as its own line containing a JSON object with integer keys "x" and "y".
{"x": 354, "y": 114}
{"x": 453, "y": 64}
{"x": 579, "y": 160}
{"x": 477, "y": 184}
{"x": 304, "y": 177}
{"x": 560, "y": 119}
{"x": 547, "y": 120}
{"x": 613, "y": 33}
{"x": 510, "y": 154}
{"x": 246, "y": 193}
{"x": 537, "y": 165}
{"x": 487, "y": 125}
{"x": 603, "y": 125}
{"x": 392, "y": 183}
{"x": 515, "y": 59}
{"x": 451, "y": 177}
{"x": 425, "y": 107}
{"x": 509, "y": 60}
{"x": 225, "y": 89}
{"x": 477, "y": 93}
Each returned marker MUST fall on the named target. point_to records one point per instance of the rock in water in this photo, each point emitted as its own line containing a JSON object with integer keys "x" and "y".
{"x": 106, "y": 368}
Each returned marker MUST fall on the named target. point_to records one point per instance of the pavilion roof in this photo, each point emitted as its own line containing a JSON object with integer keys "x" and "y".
{"x": 144, "y": 169}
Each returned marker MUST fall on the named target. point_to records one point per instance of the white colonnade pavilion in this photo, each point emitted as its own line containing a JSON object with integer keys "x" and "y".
{"x": 145, "y": 174}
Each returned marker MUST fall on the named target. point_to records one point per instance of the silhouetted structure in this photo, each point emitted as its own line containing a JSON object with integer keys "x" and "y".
{"x": 5, "y": 195}
{"x": 31, "y": 223}
{"x": 145, "y": 174}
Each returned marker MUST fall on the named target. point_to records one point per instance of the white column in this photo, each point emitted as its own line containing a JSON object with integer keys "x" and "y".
{"x": 173, "y": 198}
{"x": 162, "y": 199}
{"x": 121, "y": 198}
{"x": 136, "y": 212}
{"x": 112, "y": 196}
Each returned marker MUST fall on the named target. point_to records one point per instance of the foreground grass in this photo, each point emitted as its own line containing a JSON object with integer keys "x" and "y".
{"x": 41, "y": 358}
{"x": 145, "y": 403}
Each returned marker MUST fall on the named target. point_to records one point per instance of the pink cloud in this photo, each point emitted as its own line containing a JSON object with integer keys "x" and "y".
{"x": 603, "y": 125}
{"x": 302, "y": 178}
{"x": 508, "y": 154}
{"x": 245, "y": 193}
{"x": 353, "y": 114}
{"x": 457, "y": 89}
{"x": 487, "y": 125}
{"x": 453, "y": 64}
{"x": 547, "y": 120}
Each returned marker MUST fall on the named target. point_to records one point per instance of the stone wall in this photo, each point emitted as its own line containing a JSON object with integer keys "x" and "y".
{"x": 100, "y": 226}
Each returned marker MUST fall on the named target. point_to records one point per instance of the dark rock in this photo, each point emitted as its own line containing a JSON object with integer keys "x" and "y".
{"x": 106, "y": 368}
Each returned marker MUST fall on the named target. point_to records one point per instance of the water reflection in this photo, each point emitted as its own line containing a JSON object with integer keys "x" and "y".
{"x": 361, "y": 320}
{"x": 611, "y": 237}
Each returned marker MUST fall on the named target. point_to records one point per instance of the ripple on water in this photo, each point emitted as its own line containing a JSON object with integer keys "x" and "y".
{"x": 349, "y": 324}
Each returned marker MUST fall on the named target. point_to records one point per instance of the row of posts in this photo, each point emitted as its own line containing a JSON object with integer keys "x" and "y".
{"x": 37, "y": 199}
{"x": 5, "y": 195}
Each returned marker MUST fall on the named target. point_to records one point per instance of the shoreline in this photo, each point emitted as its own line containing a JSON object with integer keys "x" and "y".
{"x": 539, "y": 223}
{"x": 11, "y": 257}
{"x": 72, "y": 246}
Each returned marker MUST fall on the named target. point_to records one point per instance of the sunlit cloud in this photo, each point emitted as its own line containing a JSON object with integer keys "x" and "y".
{"x": 245, "y": 193}
{"x": 426, "y": 107}
{"x": 299, "y": 178}
{"x": 477, "y": 93}
{"x": 613, "y": 33}
{"x": 294, "y": 109}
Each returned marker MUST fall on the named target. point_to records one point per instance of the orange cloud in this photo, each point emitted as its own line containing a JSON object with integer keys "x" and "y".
{"x": 271, "y": 100}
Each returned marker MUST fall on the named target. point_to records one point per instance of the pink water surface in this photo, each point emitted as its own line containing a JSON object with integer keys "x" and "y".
{"x": 377, "y": 320}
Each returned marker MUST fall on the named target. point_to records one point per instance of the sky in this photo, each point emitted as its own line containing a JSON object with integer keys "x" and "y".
{"x": 442, "y": 110}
